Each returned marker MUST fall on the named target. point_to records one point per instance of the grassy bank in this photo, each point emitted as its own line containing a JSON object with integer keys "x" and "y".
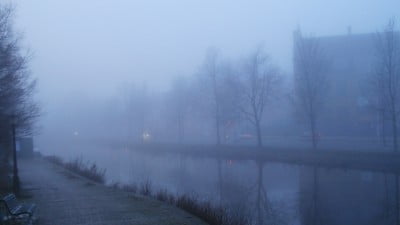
{"x": 209, "y": 213}
{"x": 85, "y": 169}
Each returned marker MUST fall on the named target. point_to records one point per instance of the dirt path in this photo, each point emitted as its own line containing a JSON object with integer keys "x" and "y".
{"x": 63, "y": 198}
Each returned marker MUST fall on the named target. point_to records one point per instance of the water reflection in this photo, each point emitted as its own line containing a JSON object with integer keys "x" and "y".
{"x": 347, "y": 197}
{"x": 271, "y": 193}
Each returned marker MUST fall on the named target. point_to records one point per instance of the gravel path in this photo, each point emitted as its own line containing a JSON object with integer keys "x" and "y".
{"x": 63, "y": 198}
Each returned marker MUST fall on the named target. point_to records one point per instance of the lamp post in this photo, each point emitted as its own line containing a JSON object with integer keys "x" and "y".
{"x": 14, "y": 149}
{"x": 15, "y": 165}
{"x": 10, "y": 113}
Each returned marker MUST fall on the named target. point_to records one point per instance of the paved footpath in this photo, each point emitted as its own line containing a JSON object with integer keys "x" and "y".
{"x": 65, "y": 199}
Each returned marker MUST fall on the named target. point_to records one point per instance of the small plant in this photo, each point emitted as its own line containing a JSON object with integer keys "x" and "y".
{"x": 209, "y": 213}
{"x": 212, "y": 215}
{"x": 88, "y": 170}
{"x": 145, "y": 188}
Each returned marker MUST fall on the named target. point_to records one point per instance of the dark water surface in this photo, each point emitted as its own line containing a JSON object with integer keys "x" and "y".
{"x": 270, "y": 193}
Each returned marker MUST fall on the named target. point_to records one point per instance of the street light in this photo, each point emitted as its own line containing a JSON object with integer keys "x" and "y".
{"x": 15, "y": 165}
{"x": 12, "y": 119}
{"x": 10, "y": 113}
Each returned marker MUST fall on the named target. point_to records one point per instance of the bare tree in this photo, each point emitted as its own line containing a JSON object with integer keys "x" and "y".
{"x": 377, "y": 105}
{"x": 210, "y": 70}
{"x": 17, "y": 107}
{"x": 137, "y": 104}
{"x": 386, "y": 77}
{"x": 310, "y": 82}
{"x": 260, "y": 82}
{"x": 179, "y": 105}
{"x": 229, "y": 91}
{"x": 386, "y": 87}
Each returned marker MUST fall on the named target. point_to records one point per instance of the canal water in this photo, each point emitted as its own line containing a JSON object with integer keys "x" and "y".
{"x": 267, "y": 192}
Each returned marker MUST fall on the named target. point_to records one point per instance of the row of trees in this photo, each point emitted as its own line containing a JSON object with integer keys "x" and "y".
{"x": 385, "y": 80}
{"x": 226, "y": 93}
{"x": 241, "y": 92}
{"x": 251, "y": 88}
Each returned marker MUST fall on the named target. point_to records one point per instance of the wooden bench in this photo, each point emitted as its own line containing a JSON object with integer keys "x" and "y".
{"x": 15, "y": 212}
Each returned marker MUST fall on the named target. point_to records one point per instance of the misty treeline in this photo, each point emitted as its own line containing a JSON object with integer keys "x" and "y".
{"x": 221, "y": 103}
{"x": 17, "y": 106}
{"x": 247, "y": 98}
{"x": 385, "y": 81}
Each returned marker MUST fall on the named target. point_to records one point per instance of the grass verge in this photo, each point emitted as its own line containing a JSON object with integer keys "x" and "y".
{"x": 86, "y": 169}
{"x": 213, "y": 215}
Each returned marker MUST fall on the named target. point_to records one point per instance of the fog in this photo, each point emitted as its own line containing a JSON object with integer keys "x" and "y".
{"x": 90, "y": 49}
{"x": 101, "y": 44}
{"x": 268, "y": 108}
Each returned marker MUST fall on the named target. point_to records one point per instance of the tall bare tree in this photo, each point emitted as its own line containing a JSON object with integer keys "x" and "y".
{"x": 210, "y": 70}
{"x": 179, "y": 105}
{"x": 138, "y": 109}
{"x": 17, "y": 107}
{"x": 386, "y": 88}
{"x": 310, "y": 82}
{"x": 386, "y": 77}
{"x": 260, "y": 81}
{"x": 229, "y": 92}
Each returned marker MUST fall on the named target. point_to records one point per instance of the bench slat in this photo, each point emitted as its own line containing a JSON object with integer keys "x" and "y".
{"x": 26, "y": 208}
{"x": 16, "y": 209}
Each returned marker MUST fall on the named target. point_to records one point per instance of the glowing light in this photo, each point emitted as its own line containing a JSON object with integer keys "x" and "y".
{"x": 146, "y": 136}
{"x": 230, "y": 162}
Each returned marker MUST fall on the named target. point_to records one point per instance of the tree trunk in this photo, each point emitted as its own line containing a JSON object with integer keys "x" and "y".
{"x": 219, "y": 166}
{"x": 217, "y": 111}
{"x": 259, "y": 188}
{"x": 397, "y": 200}
{"x": 259, "y": 135}
{"x": 394, "y": 127}
{"x": 217, "y": 128}
{"x": 315, "y": 196}
{"x": 387, "y": 198}
{"x": 313, "y": 133}
{"x": 181, "y": 131}
{"x": 383, "y": 132}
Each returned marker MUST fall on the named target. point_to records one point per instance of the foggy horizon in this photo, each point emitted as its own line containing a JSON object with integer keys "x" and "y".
{"x": 104, "y": 44}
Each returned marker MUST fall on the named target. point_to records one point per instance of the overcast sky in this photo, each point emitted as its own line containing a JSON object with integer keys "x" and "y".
{"x": 90, "y": 47}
